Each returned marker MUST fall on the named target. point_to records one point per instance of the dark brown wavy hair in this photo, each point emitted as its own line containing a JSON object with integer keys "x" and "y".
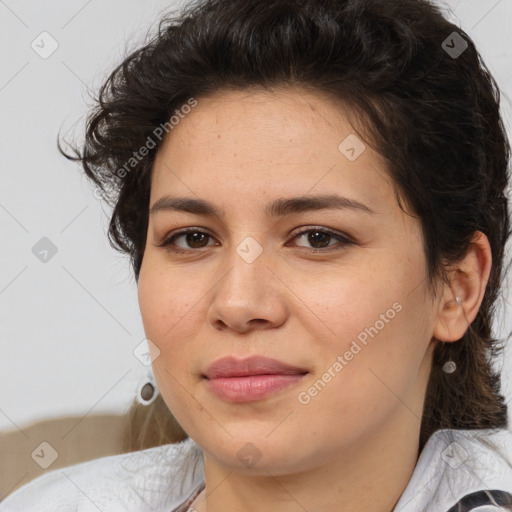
{"x": 433, "y": 115}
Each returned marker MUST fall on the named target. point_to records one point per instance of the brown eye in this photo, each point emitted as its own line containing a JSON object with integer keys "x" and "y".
{"x": 193, "y": 239}
{"x": 196, "y": 239}
{"x": 321, "y": 238}
{"x": 318, "y": 239}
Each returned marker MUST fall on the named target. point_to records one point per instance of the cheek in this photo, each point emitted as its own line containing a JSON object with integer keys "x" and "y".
{"x": 338, "y": 304}
{"x": 168, "y": 302}
{"x": 368, "y": 323}
{"x": 169, "y": 308}
{"x": 368, "y": 373}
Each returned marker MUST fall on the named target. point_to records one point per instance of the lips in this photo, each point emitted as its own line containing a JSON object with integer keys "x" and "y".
{"x": 255, "y": 365}
{"x": 249, "y": 380}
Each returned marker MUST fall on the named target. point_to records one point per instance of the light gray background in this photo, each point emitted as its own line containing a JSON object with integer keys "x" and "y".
{"x": 68, "y": 327}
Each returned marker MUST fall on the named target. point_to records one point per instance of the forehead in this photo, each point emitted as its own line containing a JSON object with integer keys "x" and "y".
{"x": 268, "y": 142}
{"x": 283, "y": 117}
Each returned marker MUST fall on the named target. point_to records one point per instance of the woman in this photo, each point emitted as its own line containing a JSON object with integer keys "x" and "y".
{"x": 312, "y": 193}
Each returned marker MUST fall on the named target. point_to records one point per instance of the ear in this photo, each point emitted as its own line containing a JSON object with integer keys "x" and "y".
{"x": 467, "y": 281}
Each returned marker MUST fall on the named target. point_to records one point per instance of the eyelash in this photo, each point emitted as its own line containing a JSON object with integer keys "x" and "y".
{"x": 344, "y": 240}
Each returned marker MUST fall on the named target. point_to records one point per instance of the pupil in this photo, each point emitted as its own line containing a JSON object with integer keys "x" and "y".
{"x": 196, "y": 237}
{"x": 317, "y": 236}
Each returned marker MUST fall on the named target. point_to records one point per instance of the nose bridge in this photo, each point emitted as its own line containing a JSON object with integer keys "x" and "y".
{"x": 246, "y": 291}
{"x": 247, "y": 266}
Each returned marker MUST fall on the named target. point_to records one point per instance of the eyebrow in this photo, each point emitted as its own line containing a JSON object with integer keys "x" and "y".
{"x": 277, "y": 208}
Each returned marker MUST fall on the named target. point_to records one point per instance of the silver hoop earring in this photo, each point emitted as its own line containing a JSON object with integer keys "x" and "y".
{"x": 147, "y": 390}
{"x": 450, "y": 366}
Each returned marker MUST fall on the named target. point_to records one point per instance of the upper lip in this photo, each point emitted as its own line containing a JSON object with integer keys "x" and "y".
{"x": 254, "y": 365}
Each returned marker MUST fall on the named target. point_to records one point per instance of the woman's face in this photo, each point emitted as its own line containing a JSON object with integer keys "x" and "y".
{"x": 338, "y": 291}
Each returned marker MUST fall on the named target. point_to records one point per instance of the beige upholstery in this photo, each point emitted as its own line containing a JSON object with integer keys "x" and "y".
{"x": 71, "y": 440}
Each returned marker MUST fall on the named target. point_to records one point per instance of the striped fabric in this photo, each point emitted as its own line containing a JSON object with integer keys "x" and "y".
{"x": 484, "y": 501}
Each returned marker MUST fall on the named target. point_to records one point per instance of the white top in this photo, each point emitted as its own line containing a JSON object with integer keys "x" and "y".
{"x": 455, "y": 465}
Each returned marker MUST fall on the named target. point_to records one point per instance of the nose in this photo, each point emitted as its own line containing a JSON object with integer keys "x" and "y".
{"x": 248, "y": 296}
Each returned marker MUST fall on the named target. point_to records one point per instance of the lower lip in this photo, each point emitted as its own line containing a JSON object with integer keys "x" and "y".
{"x": 251, "y": 387}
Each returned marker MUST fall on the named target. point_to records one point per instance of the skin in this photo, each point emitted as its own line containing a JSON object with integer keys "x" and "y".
{"x": 355, "y": 442}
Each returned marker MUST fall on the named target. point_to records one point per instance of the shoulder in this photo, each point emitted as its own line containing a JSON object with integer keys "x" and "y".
{"x": 151, "y": 479}
{"x": 486, "y": 452}
{"x": 457, "y": 467}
